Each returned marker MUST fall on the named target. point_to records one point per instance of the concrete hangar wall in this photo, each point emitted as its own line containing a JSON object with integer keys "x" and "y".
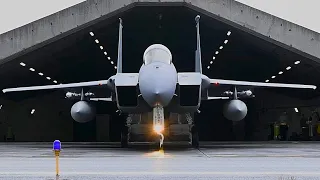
{"x": 261, "y": 45}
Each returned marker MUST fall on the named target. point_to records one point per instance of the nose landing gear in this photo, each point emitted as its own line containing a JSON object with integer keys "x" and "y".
{"x": 158, "y": 124}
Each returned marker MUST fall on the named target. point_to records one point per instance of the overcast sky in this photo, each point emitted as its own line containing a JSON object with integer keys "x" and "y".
{"x": 16, "y": 13}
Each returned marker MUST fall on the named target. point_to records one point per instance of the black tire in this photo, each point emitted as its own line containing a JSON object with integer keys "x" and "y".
{"x": 195, "y": 137}
{"x": 124, "y": 137}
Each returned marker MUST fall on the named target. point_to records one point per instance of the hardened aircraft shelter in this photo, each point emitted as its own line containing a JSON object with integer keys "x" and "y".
{"x": 80, "y": 44}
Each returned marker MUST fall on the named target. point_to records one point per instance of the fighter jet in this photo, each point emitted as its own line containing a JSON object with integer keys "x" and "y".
{"x": 159, "y": 88}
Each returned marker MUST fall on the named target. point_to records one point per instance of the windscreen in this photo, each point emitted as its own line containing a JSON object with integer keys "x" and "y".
{"x": 157, "y": 53}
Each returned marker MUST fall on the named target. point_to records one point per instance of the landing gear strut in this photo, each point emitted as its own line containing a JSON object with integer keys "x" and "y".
{"x": 193, "y": 131}
{"x": 158, "y": 124}
{"x": 125, "y": 132}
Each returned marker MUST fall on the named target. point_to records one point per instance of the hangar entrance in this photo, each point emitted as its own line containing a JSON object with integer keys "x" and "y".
{"x": 84, "y": 132}
{"x": 228, "y": 52}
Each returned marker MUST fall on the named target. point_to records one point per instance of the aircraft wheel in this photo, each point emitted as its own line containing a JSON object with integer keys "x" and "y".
{"x": 159, "y": 145}
{"x": 124, "y": 137}
{"x": 195, "y": 137}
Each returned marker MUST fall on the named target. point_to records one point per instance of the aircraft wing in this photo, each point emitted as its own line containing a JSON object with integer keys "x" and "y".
{"x": 101, "y": 99}
{"x": 260, "y": 84}
{"x": 59, "y": 86}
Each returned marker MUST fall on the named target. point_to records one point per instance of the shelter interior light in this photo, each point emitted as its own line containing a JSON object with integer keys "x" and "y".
{"x": 296, "y": 110}
{"x": 229, "y": 33}
{"x": 48, "y": 78}
{"x": 297, "y": 62}
{"x": 217, "y": 52}
{"x": 55, "y": 81}
{"x": 273, "y": 77}
{"x": 32, "y": 111}
{"x": 22, "y": 64}
{"x": 288, "y": 68}
{"x": 31, "y": 69}
{"x": 101, "y": 47}
{"x": 280, "y": 72}
{"x": 41, "y": 74}
{"x": 226, "y": 41}
{"x": 267, "y": 80}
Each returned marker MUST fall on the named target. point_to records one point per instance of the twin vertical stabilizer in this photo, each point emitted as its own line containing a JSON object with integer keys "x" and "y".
{"x": 198, "y": 65}
{"x": 119, "y": 63}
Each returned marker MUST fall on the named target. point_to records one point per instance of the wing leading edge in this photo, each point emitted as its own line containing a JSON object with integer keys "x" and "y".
{"x": 260, "y": 84}
{"x": 59, "y": 86}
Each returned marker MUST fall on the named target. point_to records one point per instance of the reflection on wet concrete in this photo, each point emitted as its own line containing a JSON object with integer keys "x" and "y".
{"x": 143, "y": 161}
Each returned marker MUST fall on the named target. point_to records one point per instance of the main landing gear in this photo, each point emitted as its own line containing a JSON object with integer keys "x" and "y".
{"x": 194, "y": 136}
{"x": 125, "y": 132}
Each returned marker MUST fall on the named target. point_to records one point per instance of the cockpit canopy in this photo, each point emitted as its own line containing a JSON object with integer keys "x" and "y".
{"x": 157, "y": 53}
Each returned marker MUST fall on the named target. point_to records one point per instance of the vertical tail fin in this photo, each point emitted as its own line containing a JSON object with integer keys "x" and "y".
{"x": 198, "y": 65}
{"x": 119, "y": 63}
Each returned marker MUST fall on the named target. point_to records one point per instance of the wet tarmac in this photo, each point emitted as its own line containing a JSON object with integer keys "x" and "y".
{"x": 93, "y": 161}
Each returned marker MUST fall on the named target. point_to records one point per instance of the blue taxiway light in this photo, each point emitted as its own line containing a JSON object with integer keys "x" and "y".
{"x": 57, "y": 145}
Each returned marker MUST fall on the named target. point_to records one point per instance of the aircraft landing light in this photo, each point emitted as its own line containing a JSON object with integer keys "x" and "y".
{"x": 213, "y": 58}
{"x": 226, "y": 41}
{"x": 229, "y": 33}
{"x": 55, "y": 81}
{"x": 97, "y": 41}
{"x": 22, "y": 64}
{"x": 288, "y": 68}
{"x": 211, "y": 62}
{"x": 267, "y": 80}
{"x": 297, "y": 62}
{"x": 273, "y": 77}
{"x": 109, "y": 58}
{"x": 221, "y": 47}
{"x": 111, "y": 62}
{"x": 208, "y": 67}
{"x": 105, "y": 53}
{"x": 158, "y": 128}
{"x": 217, "y": 52}
{"x": 91, "y": 33}
{"x": 115, "y": 67}
{"x": 41, "y": 74}
{"x": 280, "y": 72}
{"x": 101, "y": 47}
{"x": 48, "y": 78}
{"x": 31, "y": 69}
